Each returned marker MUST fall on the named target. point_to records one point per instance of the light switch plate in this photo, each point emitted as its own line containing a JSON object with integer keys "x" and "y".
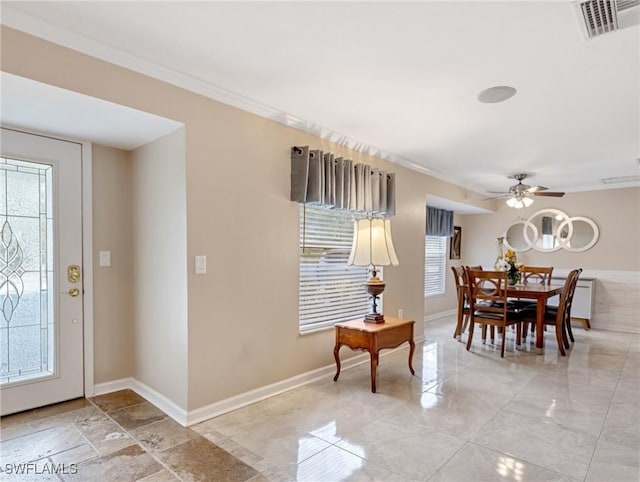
{"x": 105, "y": 258}
{"x": 201, "y": 264}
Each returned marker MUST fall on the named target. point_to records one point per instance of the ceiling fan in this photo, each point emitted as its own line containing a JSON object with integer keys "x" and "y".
{"x": 519, "y": 195}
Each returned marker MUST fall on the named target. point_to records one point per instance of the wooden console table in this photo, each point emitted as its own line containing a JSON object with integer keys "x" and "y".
{"x": 373, "y": 337}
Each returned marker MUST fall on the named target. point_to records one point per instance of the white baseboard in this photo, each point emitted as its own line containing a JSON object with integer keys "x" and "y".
{"x": 440, "y": 315}
{"x": 253, "y": 396}
{"x": 113, "y": 386}
{"x": 187, "y": 418}
{"x": 163, "y": 403}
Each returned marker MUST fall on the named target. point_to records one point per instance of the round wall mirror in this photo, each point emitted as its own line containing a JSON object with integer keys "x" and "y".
{"x": 584, "y": 233}
{"x": 520, "y": 236}
{"x": 547, "y": 223}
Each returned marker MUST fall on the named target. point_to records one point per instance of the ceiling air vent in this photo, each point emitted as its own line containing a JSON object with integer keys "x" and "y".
{"x": 620, "y": 179}
{"x": 603, "y": 16}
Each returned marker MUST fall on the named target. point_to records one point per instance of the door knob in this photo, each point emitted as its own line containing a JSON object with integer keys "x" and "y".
{"x": 73, "y": 292}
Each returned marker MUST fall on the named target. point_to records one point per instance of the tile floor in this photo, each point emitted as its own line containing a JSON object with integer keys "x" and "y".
{"x": 464, "y": 416}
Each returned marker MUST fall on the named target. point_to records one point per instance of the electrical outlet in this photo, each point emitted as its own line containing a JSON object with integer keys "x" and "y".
{"x": 400, "y": 313}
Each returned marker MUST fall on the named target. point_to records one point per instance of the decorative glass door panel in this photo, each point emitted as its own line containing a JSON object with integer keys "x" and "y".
{"x": 41, "y": 285}
{"x": 27, "y": 330}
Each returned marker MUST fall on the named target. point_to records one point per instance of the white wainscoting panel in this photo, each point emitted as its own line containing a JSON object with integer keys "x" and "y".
{"x": 616, "y": 304}
{"x": 617, "y": 300}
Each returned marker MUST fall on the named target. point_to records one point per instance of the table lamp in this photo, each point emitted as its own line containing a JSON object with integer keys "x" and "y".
{"x": 373, "y": 246}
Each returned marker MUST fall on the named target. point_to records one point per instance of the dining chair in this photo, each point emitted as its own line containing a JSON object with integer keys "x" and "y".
{"x": 462, "y": 290}
{"x": 536, "y": 274}
{"x": 489, "y": 307}
{"x": 559, "y": 317}
{"x": 460, "y": 279}
{"x": 568, "y": 318}
{"x": 532, "y": 275}
{"x": 484, "y": 327}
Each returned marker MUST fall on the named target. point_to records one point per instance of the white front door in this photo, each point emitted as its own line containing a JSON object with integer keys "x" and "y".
{"x": 41, "y": 282}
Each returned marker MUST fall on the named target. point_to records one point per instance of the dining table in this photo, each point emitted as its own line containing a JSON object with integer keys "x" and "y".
{"x": 528, "y": 291}
{"x": 541, "y": 293}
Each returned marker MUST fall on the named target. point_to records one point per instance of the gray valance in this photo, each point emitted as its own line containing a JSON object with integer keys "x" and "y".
{"x": 439, "y": 222}
{"x": 319, "y": 177}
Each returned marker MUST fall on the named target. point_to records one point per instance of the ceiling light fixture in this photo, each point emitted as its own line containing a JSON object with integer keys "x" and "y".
{"x": 519, "y": 201}
{"x": 496, "y": 94}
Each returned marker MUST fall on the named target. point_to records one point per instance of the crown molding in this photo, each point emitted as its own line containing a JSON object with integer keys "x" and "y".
{"x": 39, "y": 27}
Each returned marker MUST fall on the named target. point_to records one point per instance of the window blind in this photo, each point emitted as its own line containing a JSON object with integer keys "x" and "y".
{"x": 330, "y": 291}
{"x": 435, "y": 254}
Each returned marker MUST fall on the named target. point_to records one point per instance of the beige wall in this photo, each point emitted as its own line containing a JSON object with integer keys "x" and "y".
{"x": 113, "y": 300}
{"x": 615, "y": 211}
{"x": 242, "y": 316}
{"x": 160, "y": 266}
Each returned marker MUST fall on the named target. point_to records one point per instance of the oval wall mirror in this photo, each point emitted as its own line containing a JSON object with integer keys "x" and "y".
{"x": 520, "y": 236}
{"x": 584, "y": 233}
{"x": 547, "y": 223}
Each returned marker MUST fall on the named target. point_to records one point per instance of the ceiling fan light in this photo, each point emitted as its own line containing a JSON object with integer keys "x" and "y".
{"x": 519, "y": 202}
{"x": 512, "y": 202}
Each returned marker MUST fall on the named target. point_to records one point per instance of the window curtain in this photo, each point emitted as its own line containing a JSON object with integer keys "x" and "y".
{"x": 439, "y": 222}
{"x": 320, "y": 178}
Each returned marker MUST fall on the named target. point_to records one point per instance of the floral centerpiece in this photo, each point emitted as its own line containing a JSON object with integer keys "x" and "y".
{"x": 509, "y": 264}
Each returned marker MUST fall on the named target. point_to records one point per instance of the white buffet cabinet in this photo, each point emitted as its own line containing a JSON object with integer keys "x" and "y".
{"x": 582, "y": 307}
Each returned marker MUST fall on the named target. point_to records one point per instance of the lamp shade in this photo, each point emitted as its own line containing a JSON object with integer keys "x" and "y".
{"x": 372, "y": 243}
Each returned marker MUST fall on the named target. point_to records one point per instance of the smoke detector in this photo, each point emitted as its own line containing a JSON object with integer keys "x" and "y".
{"x": 598, "y": 17}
